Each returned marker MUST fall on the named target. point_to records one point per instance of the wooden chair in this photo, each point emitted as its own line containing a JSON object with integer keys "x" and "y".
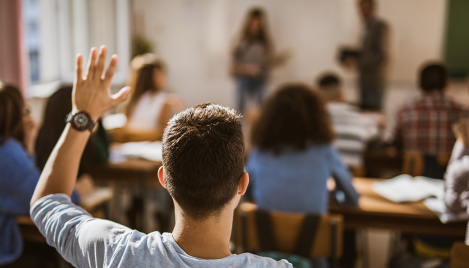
{"x": 459, "y": 256}
{"x": 325, "y": 234}
{"x": 122, "y": 135}
{"x": 415, "y": 163}
{"x": 358, "y": 171}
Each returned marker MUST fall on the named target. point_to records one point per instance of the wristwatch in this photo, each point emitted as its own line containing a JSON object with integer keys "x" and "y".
{"x": 80, "y": 121}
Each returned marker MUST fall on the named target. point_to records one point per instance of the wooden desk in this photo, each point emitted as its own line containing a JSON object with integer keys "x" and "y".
{"x": 377, "y": 212}
{"x": 132, "y": 171}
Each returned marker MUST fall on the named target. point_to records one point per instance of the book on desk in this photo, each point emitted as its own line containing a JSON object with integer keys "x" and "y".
{"x": 405, "y": 188}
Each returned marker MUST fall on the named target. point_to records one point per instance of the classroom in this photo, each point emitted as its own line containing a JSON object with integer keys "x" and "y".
{"x": 234, "y": 133}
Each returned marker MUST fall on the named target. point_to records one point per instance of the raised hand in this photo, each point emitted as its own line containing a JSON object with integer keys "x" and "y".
{"x": 92, "y": 92}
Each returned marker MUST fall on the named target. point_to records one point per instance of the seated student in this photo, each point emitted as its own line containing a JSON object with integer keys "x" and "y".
{"x": 457, "y": 174}
{"x": 293, "y": 156}
{"x": 58, "y": 107}
{"x": 424, "y": 124}
{"x": 136, "y": 64}
{"x": 150, "y": 107}
{"x": 203, "y": 155}
{"x": 18, "y": 176}
{"x": 353, "y": 129}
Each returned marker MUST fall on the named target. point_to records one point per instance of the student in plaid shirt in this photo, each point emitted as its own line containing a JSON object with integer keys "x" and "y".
{"x": 424, "y": 123}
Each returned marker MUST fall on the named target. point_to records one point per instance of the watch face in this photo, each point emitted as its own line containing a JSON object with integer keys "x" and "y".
{"x": 80, "y": 121}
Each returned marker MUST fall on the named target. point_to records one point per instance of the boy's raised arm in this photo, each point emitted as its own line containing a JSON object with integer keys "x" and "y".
{"x": 91, "y": 94}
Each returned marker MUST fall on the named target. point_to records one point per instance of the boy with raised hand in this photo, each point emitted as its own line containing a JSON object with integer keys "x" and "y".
{"x": 203, "y": 170}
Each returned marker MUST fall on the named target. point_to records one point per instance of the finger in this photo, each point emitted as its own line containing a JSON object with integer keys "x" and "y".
{"x": 120, "y": 96}
{"x": 111, "y": 69}
{"x": 101, "y": 61}
{"x": 79, "y": 68}
{"x": 91, "y": 64}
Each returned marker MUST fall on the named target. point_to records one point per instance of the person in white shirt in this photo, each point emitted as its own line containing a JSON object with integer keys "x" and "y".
{"x": 353, "y": 129}
{"x": 150, "y": 107}
{"x": 203, "y": 170}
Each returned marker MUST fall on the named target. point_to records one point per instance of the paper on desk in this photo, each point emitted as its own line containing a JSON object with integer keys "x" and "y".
{"x": 405, "y": 188}
{"x": 114, "y": 121}
{"x": 439, "y": 208}
{"x": 145, "y": 149}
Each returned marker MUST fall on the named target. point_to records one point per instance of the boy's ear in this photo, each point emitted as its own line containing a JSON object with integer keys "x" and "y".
{"x": 160, "y": 176}
{"x": 243, "y": 183}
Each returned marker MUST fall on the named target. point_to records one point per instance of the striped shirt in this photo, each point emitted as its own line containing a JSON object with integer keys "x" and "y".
{"x": 353, "y": 131}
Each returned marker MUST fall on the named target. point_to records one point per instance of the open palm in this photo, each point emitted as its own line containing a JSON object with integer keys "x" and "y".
{"x": 92, "y": 93}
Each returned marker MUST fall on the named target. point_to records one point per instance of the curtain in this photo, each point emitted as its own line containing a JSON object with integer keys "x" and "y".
{"x": 11, "y": 43}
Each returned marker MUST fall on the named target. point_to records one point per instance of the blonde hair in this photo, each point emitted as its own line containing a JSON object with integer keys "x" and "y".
{"x": 136, "y": 65}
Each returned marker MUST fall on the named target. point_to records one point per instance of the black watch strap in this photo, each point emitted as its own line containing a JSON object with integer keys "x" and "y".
{"x": 80, "y": 121}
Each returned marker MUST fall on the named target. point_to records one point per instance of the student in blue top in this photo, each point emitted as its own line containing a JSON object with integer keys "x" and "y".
{"x": 293, "y": 156}
{"x": 18, "y": 174}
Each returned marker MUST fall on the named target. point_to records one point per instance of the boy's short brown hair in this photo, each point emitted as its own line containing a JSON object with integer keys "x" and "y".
{"x": 203, "y": 158}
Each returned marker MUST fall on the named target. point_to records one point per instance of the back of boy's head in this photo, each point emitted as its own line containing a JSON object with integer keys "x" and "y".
{"x": 203, "y": 158}
{"x": 329, "y": 84}
{"x": 433, "y": 77}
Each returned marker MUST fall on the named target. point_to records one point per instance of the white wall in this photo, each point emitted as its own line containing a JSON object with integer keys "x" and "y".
{"x": 194, "y": 37}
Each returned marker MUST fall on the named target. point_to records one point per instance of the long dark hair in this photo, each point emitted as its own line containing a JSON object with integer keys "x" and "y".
{"x": 291, "y": 118}
{"x": 263, "y": 36}
{"x": 145, "y": 82}
{"x": 11, "y": 114}
{"x": 57, "y": 107}
{"x": 53, "y": 124}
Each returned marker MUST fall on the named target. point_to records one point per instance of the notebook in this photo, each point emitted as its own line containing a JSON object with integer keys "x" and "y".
{"x": 405, "y": 188}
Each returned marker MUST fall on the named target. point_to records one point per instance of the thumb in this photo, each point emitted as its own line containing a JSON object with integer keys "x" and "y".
{"x": 120, "y": 96}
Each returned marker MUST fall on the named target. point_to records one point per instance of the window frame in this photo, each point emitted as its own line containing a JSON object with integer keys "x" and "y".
{"x": 60, "y": 38}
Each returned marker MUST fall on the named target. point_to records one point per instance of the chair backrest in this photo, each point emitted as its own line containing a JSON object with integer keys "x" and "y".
{"x": 286, "y": 229}
{"x": 418, "y": 164}
{"x": 413, "y": 163}
{"x": 459, "y": 256}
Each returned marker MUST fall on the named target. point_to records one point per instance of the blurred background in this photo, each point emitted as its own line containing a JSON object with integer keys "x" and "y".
{"x": 195, "y": 39}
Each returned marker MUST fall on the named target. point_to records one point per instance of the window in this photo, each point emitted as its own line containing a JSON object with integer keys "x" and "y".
{"x": 56, "y": 30}
{"x": 31, "y": 20}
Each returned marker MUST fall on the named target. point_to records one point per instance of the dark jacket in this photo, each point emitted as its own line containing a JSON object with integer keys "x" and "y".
{"x": 373, "y": 56}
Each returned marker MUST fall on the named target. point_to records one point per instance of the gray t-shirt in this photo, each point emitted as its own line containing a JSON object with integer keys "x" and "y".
{"x": 88, "y": 242}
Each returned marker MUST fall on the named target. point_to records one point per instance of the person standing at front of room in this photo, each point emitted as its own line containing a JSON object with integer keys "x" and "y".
{"x": 371, "y": 59}
{"x": 250, "y": 55}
